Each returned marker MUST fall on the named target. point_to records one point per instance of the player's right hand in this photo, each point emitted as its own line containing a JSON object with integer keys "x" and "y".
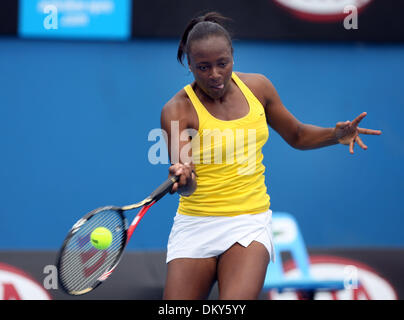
{"x": 184, "y": 183}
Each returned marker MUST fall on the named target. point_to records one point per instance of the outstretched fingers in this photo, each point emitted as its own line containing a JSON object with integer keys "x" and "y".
{"x": 359, "y": 118}
{"x": 369, "y": 131}
{"x": 349, "y": 132}
{"x": 351, "y": 146}
{"x": 360, "y": 143}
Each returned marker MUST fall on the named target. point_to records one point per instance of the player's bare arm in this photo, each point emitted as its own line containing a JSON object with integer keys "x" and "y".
{"x": 177, "y": 110}
{"x": 306, "y": 136}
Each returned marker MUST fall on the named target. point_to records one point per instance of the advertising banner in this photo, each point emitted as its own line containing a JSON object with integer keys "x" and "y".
{"x": 370, "y": 274}
{"x": 295, "y": 20}
{"x": 302, "y": 20}
{"x": 88, "y": 19}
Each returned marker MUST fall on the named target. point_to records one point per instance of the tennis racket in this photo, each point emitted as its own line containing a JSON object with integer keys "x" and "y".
{"x": 82, "y": 267}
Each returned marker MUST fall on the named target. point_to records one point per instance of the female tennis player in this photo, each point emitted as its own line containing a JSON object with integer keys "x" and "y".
{"x": 222, "y": 229}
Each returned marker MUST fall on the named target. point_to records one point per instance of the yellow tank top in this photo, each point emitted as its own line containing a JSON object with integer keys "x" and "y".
{"x": 228, "y": 161}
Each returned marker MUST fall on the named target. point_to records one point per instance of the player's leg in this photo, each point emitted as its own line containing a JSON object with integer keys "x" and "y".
{"x": 190, "y": 278}
{"x": 241, "y": 271}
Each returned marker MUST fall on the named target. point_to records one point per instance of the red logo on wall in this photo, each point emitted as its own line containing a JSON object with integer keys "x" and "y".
{"x": 370, "y": 284}
{"x": 15, "y": 284}
{"x": 320, "y": 10}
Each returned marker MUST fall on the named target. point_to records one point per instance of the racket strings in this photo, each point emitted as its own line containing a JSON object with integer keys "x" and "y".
{"x": 81, "y": 263}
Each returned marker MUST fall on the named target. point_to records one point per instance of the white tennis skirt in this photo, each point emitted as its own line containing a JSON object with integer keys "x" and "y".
{"x": 205, "y": 237}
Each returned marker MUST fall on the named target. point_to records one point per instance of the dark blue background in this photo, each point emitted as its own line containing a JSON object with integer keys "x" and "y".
{"x": 75, "y": 117}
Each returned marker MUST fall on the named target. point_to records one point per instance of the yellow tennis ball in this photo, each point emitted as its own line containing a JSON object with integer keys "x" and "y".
{"x": 101, "y": 238}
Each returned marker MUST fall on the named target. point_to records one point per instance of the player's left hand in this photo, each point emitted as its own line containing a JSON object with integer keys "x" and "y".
{"x": 347, "y": 133}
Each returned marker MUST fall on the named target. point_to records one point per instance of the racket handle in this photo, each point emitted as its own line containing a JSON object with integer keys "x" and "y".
{"x": 165, "y": 187}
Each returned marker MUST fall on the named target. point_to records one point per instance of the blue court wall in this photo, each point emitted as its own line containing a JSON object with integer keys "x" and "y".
{"x": 75, "y": 119}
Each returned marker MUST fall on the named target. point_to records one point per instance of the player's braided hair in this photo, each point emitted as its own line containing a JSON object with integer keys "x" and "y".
{"x": 211, "y": 23}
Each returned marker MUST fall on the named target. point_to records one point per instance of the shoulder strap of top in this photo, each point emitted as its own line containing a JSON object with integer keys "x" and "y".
{"x": 245, "y": 90}
{"x": 200, "y": 109}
